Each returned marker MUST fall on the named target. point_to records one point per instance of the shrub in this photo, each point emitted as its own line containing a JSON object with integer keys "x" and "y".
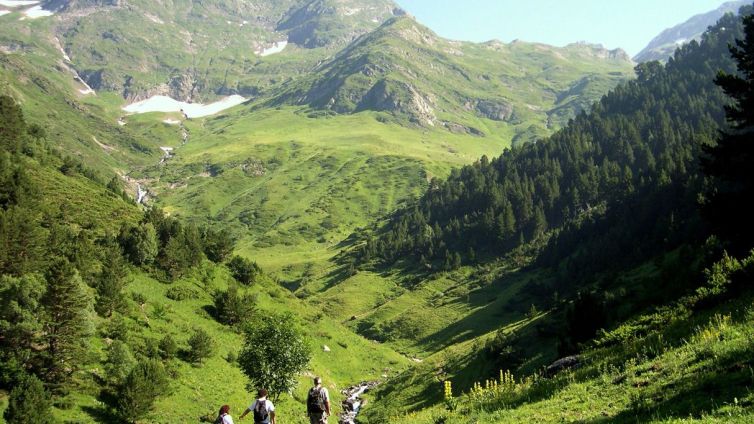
{"x": 244, "y": 270}
{"x": 179, "y": 293}
{"x": 141, "y": 387}
{"x": 168, "y": 347}
{"x": 200, "y": 346}
{"x": 232, "y": 307}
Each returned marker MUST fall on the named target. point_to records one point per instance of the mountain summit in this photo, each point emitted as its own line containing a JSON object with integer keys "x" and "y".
{"x": 663, "y": 46}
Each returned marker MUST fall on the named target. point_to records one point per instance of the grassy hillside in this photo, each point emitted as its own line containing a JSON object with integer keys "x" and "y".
{"x": 690, "y": 361}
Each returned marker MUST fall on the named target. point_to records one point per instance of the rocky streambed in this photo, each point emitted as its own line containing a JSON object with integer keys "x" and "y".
{"x": 353, "y": 402}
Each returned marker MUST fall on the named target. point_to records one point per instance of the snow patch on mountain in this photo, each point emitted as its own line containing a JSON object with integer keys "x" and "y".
{"x": 17, "y": 3}
{"x": 191, "y": 110}
{"x": 276, "y": 48}
{"x": 37, "y": 12}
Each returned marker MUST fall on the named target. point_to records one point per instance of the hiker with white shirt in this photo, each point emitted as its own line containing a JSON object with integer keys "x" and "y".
{"x": 262, "y": 408}
{"x": 224, "y": 416}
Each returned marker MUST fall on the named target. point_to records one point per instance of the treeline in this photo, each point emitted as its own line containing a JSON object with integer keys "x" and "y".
{"x": 617, "y": 184}
{"x": 57, "y": 275}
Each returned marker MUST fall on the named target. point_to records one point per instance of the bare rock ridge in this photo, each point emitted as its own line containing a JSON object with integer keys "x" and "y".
{"x": 663, "y": 46}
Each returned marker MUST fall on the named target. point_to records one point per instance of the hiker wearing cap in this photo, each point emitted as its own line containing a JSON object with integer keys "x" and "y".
{"x": 318, "y": 403}
{"x": 262, "y": 408}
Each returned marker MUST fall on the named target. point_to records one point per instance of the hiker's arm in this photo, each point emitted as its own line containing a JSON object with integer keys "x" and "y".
{"x": 272, "y": 417}
{"x": 327, "y": 407}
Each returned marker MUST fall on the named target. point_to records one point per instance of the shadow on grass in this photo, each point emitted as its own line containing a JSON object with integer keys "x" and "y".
{"x": 104, "y": 413}
{"x": 694, "y": 395}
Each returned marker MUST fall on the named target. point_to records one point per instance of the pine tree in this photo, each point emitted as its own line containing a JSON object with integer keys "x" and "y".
{"x": 730, "y": 209}
{"x": 201, "y": 346}
{"x": 67, "y": 320}
{"x": 146, "y": 382}
{"x": 111, "y": 282}
{"x": 29, "y": 403}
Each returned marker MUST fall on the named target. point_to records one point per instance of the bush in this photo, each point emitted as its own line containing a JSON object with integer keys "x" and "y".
{"x": 232, "y": 307}
{"x": 179, "y": 293}
{"x": 29, "y": 403}
{"x": 244, "y": 270}
{"x": 201, "y": 346}
{"x": 168, "y": 347}
{"x": 142, "y": 386}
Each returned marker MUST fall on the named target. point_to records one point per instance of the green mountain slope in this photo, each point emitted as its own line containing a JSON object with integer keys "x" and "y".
{"x": 404, "y": 68}
{"x": 67, "y": 212}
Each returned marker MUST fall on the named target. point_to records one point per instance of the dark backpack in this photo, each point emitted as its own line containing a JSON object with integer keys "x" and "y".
{"x": 260, "y": 411}
{"x": 219, "y": 419}
{"x": 315, "y": 402}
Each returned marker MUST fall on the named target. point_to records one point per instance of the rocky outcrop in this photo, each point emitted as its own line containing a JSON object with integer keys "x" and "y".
{"x": 569, "y": 362}
{"x": 401, "y": 97}
{"x": 494, "y": 110}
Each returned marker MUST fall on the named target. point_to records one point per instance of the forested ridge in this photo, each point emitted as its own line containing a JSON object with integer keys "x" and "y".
{"x": 616, "y": 184}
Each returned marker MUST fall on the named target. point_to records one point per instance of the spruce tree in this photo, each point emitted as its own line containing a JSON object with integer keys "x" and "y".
{"x": 140, "y": 389}
{"x": 729, "y": 163}
{"x": 67, "y": 320}
{"x": 110, "y": 282}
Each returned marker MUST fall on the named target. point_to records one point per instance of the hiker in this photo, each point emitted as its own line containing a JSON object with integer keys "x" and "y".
{"x": 318, "y": 403}
{"x": 224, "y": 416}
{"x": 262, "y": 408}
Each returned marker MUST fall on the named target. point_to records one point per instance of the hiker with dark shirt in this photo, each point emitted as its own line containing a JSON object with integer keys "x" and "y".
{"x": 262, "y": 408}
{"x": 318, "y": 403}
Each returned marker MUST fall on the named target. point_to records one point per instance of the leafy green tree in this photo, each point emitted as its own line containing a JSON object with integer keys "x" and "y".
{"x": 119, "y": 362}
{"x": 29, "y": 403}
{"x": 143, "y": 385}
{"x": 111, "y": 281}
{"x": 244, "y": 270}
{"x": 729, "y": 163}
{"x": 201, "y": 346}
{"x": 274, "y": 354}
{"x": 232, "y": 307}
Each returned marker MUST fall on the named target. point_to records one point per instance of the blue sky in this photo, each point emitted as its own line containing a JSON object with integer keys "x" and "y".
{"x": 629, "y": 24}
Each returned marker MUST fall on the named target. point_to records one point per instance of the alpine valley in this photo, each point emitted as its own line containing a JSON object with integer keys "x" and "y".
{"x": 199, "y": 198}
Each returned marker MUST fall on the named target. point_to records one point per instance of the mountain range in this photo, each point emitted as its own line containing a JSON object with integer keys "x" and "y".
{"x": 448, "y": 231}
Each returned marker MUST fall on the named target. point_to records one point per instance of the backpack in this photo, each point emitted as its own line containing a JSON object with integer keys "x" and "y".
{"x": 219, "y": 419}
{"x": 260, "y": 411}
{"x": 315, "y": 402}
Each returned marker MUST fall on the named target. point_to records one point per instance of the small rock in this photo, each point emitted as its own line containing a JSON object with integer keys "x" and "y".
{"x": 325, "y": 348}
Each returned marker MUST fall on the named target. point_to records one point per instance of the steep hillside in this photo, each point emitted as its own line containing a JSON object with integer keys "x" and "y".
{"x": 193, "y": 50}
{"x": 619, "y": 283}
{"x": 406, "y": 69}
{"x": 663, "y": 46}
{"x": 54, "y": 210}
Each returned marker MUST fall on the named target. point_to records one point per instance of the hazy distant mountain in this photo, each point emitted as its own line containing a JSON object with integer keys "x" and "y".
{"x": 663, "y": 46}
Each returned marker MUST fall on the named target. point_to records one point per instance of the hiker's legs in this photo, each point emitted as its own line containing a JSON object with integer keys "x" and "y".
{"x": 317, "y": 419}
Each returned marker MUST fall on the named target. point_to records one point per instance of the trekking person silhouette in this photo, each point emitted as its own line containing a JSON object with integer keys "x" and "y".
{"x": 223, "y": 417}
{"x": 262, "y": 408}
{"x": 318, "y": 403}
